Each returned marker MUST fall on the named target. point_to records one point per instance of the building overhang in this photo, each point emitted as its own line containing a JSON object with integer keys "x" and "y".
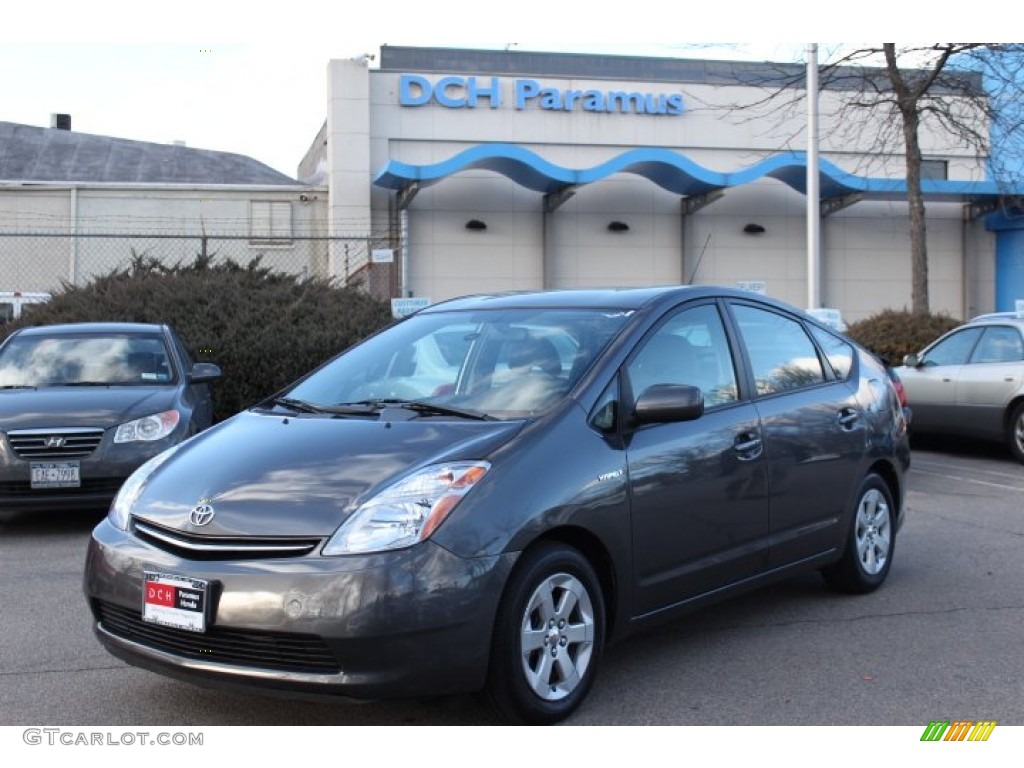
{"x": 676, "y": 173}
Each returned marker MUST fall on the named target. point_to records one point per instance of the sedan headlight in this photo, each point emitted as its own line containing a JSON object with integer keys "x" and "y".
{"x": 407, "y": 511}
{"x": 121, "y": 509}
{"x": 147, "y": 428}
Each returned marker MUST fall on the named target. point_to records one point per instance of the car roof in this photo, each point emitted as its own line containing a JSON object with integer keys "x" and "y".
{"x": 96, "y": 328}
{"x": 993, "y": 315}
{"x": 604, "y": 298}
{"x": 998, "y": 318}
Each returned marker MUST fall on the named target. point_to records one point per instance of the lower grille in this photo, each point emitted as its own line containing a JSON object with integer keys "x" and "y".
{"x": 266, "y": 650}
{"x": 89, "y": 485}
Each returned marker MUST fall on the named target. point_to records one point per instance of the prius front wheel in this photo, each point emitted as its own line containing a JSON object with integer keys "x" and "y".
{"x": 548, "y": 637}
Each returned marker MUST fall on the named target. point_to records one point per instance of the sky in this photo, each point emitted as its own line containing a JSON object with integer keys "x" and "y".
{"x": 265, "y": 101}
{"x": 251, "y": 78}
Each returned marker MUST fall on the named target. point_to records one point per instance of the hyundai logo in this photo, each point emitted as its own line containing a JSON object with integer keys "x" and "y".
{"x": 54, "y": 441}
{"x": 201, "y": 514}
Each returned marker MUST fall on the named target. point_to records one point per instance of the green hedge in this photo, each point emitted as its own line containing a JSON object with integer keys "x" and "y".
{"x": 264, "y": 328}
{"x": 893, "y": 334}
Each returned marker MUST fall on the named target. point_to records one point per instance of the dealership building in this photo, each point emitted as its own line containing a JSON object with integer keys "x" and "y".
{"x": 478, "y": 171}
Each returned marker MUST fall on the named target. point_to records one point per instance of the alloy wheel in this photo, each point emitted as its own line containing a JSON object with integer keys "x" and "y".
{"x": 873, "y": 532}
{"x": 557, "y": 636}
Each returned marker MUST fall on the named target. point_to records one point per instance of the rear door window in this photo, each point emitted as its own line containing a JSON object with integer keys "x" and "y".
{"x": 999, "y": 344}
{"x": 782, "y": 355}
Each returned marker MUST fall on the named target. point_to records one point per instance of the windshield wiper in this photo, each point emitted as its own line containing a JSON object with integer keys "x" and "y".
{"x": 427, "y": 408}
{"x": 301, "y": 406}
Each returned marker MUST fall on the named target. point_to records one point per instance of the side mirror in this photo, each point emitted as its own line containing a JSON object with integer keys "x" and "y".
{"x": 668, "y": 402}
{"x": 202, "y": 373}
{"x": 911, "y": 361}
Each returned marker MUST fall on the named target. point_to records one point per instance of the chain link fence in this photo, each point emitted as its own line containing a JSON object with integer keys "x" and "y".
{"x": 37, "y": 261}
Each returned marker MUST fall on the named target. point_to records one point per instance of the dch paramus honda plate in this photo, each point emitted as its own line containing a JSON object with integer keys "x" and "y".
{"x": 486, "y": 494}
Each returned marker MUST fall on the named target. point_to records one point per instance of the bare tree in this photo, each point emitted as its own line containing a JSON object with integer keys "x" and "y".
{"x": 897, "y": 91}
{"x": 930, "y": 88}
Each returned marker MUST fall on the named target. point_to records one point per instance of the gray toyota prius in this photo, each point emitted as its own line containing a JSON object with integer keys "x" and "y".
{"x": 486, "y": 494}
{"x": 83, "y": 405}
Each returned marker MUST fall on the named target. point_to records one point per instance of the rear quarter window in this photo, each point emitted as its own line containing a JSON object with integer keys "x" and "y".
{"x": 839, "y": 353}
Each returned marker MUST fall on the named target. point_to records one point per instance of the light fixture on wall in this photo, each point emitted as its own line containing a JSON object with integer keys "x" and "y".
{"x": 618, "y": 226}
{"x": 754, "y": 229}
{"x": 476, "y": 225}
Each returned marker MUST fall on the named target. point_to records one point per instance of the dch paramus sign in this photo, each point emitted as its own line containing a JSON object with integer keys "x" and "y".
{"x": 454, "y": 92}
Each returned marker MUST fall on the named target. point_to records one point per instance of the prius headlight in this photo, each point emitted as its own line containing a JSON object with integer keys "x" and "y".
{"x": 121, "y": 509}
{"x": 407, "y": 511}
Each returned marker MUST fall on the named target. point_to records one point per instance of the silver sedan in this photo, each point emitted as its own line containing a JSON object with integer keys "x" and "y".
{"x": 971, "y": 382}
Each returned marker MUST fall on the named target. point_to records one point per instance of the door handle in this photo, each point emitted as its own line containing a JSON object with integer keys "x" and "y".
{"x": 847, "y": 418}
{"x": 748, "y": 445}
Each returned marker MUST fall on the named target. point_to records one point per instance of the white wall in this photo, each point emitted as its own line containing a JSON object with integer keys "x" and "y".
{"x": 865, "y": 247}
{"x": 133, "y": 219}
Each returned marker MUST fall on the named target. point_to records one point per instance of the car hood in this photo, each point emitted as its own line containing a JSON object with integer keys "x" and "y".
{"x": 301, "y": 476}
{"x": 105, "y": 407}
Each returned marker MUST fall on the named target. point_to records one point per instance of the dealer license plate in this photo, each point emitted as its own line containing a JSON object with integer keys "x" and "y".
{"x": 174, "y": 601}
{"x": 55, "y": 474}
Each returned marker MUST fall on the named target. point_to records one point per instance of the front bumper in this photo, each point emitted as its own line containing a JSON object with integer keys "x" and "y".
{"x": 406, "y": 623}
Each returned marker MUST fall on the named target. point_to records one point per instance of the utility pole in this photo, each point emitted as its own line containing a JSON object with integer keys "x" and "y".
{"x": 813, "y": 192}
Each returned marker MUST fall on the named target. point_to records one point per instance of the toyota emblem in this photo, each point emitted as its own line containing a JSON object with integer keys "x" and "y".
{"x": 201, "y": 514}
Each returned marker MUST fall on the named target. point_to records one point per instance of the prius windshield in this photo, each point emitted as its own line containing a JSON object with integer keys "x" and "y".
{"x": 507, "y": 363}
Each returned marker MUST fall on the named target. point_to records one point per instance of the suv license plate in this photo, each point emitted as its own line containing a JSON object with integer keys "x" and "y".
{"x": 55, "y": 474}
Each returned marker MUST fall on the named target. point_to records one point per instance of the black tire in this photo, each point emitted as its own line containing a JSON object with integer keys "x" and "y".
{"x": 870, "y": 541}
{"x": 532, "y": 687}
{"x": 1015, "y": 432}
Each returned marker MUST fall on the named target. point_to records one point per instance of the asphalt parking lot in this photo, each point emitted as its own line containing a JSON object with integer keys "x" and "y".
{"x": 941, "y": 640}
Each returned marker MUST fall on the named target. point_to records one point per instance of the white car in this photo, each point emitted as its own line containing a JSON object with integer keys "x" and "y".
{"x": 971, "y": 382}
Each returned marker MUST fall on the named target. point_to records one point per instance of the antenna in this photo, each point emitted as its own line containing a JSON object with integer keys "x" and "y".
{"x": 699, "y": 259}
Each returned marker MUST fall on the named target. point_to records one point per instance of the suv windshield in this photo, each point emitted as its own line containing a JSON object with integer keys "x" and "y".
{"x": 81, "y": 360}
{"x": 503, "y": 363}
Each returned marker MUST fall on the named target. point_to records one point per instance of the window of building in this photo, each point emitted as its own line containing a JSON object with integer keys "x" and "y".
{"x": 935, "y": 169}
{"x": 270, "y": 222}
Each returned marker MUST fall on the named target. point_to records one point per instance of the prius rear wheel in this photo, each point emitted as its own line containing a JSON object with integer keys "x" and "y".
{"x": 870, "y": 541}
{"x": 548, "y": 637}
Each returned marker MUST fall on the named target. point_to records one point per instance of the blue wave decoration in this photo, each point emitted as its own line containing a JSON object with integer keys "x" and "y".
{"x": 671, "y": 171}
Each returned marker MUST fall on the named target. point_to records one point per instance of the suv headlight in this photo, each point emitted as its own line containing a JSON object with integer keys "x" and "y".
{"x": 148, "y": 428}
{"x": 407, "y": 511}
{"x": 121, "y": 509}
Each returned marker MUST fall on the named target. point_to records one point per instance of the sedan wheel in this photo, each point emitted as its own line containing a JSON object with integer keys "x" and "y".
{"x": 1017, "y": 432}
{"x": 548, "y": 637}
{"x": 869, "y": 542}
